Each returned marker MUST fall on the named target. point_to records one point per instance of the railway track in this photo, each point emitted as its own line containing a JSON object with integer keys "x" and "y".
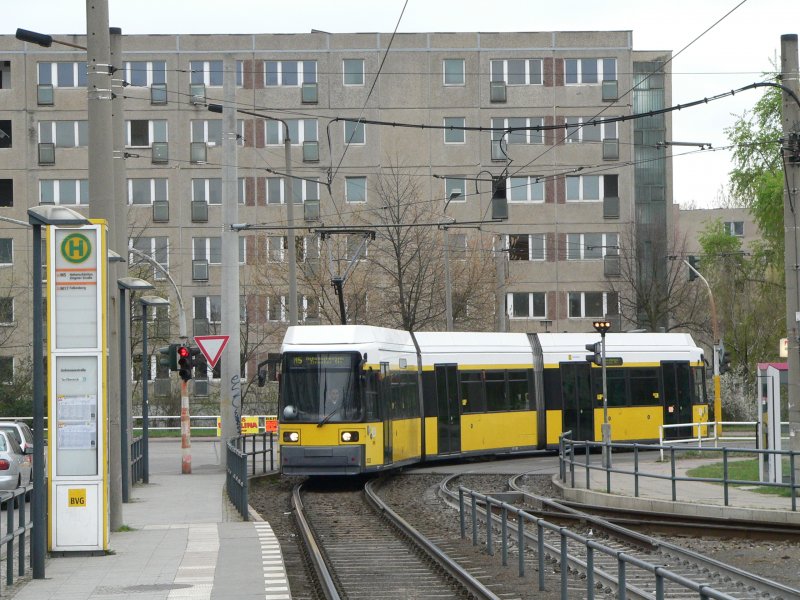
{"x": 596, "y": 548}
{"x": 360, "y": 548}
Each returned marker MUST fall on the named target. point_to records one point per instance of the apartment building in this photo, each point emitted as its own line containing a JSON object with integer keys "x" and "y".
{"x": 576, "y": 188}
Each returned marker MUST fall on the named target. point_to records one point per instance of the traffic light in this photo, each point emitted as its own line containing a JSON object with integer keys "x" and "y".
{"x": 184, "y": 363}
{"x": 596, "y": 355}
{"x": 694, "y": 262}
{"x": 724, "y": 362}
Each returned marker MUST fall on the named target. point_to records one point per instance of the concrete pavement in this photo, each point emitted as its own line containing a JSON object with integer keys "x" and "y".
{"x": 186, "y": 542}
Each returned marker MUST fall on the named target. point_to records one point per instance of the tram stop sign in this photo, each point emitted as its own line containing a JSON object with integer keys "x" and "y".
{"x": 211, "y": 346}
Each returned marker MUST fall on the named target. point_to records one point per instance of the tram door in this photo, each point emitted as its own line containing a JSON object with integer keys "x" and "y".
{"x": 449, "y": 414}
{"x": 677, "y": 399}
{"x": 576, "y": 398}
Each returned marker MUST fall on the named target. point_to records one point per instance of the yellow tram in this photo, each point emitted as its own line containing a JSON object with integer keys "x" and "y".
{"x": 356, "y": 399}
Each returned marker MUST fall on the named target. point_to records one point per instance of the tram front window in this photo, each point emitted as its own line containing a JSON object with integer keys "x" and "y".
{"x": 320, "y": 388}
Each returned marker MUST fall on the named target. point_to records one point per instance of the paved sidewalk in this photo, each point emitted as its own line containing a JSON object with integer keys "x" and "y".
{"x": 691, "y": 498}
{"x": 187, "y": 542}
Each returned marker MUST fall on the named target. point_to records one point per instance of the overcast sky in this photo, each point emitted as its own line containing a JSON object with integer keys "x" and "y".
{"x": 734, "y": 53}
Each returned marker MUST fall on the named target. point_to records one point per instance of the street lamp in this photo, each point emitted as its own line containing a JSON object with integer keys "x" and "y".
{"x": 602, "y": 328}
{"x": 37, "y": 217}
{"x": 125, "y": 284}
{"x": 448, "y": 296}
{"x": 146, "y": 301}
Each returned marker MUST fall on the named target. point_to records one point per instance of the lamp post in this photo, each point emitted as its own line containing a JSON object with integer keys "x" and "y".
{"x": 37, "y": 217}
{"x": 448, "y": 294}
{"x": 145, "y": 302}
{"x": 602, "y": 328}
{"x": 126, "y": 284}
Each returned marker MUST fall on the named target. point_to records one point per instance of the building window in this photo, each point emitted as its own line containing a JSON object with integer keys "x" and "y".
{"x": 65, "y": 134}
{"x": 353, "y": 69}
{"x": 276, "y": 308}
{"x": 6, "y": 370}
{"x": 355, "y": 189}
{"x": 517, "y": 71}
{"x": 454, "y": 185}
{"x": 735, "y": 228}
{"x": 300, "y": 130}
{"x": 6, "y": 193}
{"x": 64, "y": 191}
{"x": 208, "y": 72}
{"x": 157, "y": 248}
{"x": 142, "y": 133}
{"x": 145, "y": 73}
{"x": 454, "y": 72}
{"x": 207, "y": 190}
{"x": 63, "y": 74}
{"x": 578, "y": 132}
{"x": 5, "y": 74}
{"x": 525, "y": 189}
{"x": 591, "y": 304}
{"x": 354, "y": 133}
{"x": 276, "y": 247}
{"x": 5, "y": 133}
{"x": 588, "y": 70}
{"x": 310, "y": 308}
{"x": 527, "y": 305}
{"x": 208, "y": 308}
{"x": 6, "y": 310}
{"x": 289, "y": 72}
{"x": 584, "y": 188}
{"x": 454, "y": 132}
{"x": 209, "y": 249}
{"x": 518, "y": 130}
{"x": 207, "y": 130}
{"x": 308, "y": 248}
{"x": 302, "y": 190}
{"x": 591, "y": 246}
{"x": 526, "y": 246}
{"x": 147, "y": 191}
{"x": 6, "y": 251}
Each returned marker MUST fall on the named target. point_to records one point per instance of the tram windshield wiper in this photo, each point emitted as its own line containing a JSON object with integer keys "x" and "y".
{"x": 327, "y": 417}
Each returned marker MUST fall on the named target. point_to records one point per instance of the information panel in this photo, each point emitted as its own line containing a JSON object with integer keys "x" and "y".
{"x": 76, "y": 297}
{"x": 76, "y": 415}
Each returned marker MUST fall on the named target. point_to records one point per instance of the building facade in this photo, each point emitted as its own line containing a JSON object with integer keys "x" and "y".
{"x": 575, "y": 188}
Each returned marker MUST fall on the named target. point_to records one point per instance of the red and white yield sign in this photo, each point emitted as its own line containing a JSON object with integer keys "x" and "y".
{"x": 211, "y": 346}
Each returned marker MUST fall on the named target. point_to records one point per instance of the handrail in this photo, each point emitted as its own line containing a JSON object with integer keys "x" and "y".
{"x": 238, "y": 461}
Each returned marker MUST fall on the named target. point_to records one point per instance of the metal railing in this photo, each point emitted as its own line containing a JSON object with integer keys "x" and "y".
{"x": 137, "y": 460}
{"x": 243, "y": 462}
{"x": 15, "y": 531}
{"x": 568, "y": 449}
{"x": 586, "y": 561}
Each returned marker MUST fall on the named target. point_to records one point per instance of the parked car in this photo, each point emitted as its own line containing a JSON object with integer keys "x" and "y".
{"x": 21, "y": 431}
{"x": 15, "y": 466}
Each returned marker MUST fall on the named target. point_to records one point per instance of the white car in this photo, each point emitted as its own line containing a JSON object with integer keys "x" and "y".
{"x": 15, "y": 466}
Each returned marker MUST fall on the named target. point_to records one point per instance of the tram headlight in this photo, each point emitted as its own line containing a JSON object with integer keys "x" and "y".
{"x": 291, "y": 436}
{"x": 349, "y": 436}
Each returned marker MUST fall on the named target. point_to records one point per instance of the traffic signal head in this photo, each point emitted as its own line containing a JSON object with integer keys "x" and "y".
{"x": 169, "y": 356}
{"x": 694, "y": 262}
{"x": 184, "y": 363}
{"x": 596, "y": 350}
{"x": 724, "y": 362}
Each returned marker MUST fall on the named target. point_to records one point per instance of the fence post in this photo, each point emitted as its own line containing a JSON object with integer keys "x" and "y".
{"x": 21, "y": 542}
{"x": 725, "y": 472}
{"x": 672, "y": 471}
{"x": 635, "y": 470}
{"x": 792, "y": 481}
{"x": 621, "y": 578}
{"x": 540, "y": 550}
{"x": 589, "y": 572}
{"x": 564, "y": 563}
{"x": 521, "y": 542}
{"x": 474, "y": 519}
{"x": 504, "y": 534}
{"x": 489, "y": 540}
{"x": 461, "y": 515}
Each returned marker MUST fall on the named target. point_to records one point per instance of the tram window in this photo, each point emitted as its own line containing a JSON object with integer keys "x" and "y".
{"x": 472, "y": 392}
{"x": 496, "y": 398}
{"x": 644, "y": 387}
{"x": 698, "y": 378}
{"x": 518, "y": 390}
{"x": 371, "y": 394}
{"x": 615, "y": 386}
{"x": 552, "y": 389}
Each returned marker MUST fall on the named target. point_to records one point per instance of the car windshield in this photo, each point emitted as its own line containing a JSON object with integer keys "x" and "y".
{"x": 320, "y": 387}
{"x": 12, "y": 429}
{"x": 3, "y": 444}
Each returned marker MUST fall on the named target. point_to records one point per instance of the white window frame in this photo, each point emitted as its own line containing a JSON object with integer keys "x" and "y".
{"x": 151, "y": 133}
{"x": 283, "y": 243}
{"x": 609, "y": 130}
{"x": 206, "y": 123}
{"x": 11, "y": 243}
{"x": 579, "y": 70}
{"x": 76, "y": 71}
{"x": 731, "y": 228}
{"x": 150, "y": 70}
{"x": 463, "y": 81}
{"x": 242, "y": 250}
{"x": 302, "y": 184}
{"x": 531, "y": 314}
{"x": 609, "y": 246}
{"x": 344, "y": 72}
{"x": 206, "y": 72}
{"x": 151, "y": 252}
{"x": 531, "y": 137}
{"x": 153, "y": 198}
{"x": 205, "y": 183}
{"x": 301, "y": 132}
{"x": 583, "y": 314}
{"x": 270, "y": 301}
{"x": 57, "y": 183}
{"x": 78, "y": 134}
{"x": 458, "y": 132}
{"x": 448, "y": 189}
{"x": 209, "y": 313}
{"x": 301, "y": 74}
{"x": 305, "y": 306}
{"x": 206, "y": 250}
{"x": 241, "y": 190}
{"x": 346, "y": 188}
{"x": 354, "y": 139}
{"x": 531, "y": 185}
{"x": 582, "y": 179}
{"x": 531, "y": 251}
{"x": 504, "y": 76}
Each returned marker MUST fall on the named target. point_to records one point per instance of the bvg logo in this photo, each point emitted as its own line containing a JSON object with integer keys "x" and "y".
{"x": 76, "y": 248}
